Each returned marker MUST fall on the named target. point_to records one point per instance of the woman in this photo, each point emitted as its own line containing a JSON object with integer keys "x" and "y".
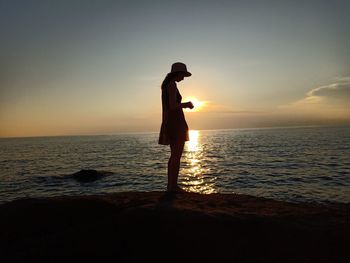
{"x": 174, "y": 129}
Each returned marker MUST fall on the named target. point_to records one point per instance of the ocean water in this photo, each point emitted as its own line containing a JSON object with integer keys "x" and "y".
{"x": 305, "y": 164}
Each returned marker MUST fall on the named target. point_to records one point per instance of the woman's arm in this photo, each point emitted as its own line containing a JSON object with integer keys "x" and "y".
{"x": 173, "y": 104}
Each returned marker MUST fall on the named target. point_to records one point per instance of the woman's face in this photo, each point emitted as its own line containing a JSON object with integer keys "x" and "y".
{"x": 179, "y": 77}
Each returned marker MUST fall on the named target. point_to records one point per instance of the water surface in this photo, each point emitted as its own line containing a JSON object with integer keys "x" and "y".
{"x": 296, "y": 164}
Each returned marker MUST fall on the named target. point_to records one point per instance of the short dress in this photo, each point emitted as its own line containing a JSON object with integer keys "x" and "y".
{"x": 174, "y": 126}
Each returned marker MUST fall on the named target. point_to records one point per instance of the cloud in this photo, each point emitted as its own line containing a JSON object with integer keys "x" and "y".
{"x": 331, "y": 101}
{"x": 323, "y": 105}
{"x": 338, "y": 90}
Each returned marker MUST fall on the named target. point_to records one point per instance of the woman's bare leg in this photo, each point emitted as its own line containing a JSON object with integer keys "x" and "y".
{"x": 176, "y": 148}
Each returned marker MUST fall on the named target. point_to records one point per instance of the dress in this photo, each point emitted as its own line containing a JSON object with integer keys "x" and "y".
{"x": 174, "y": 126}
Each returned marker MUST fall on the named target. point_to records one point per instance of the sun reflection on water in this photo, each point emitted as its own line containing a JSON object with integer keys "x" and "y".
{"x": 195, "y": 179}
{"x": 192, "y": 145}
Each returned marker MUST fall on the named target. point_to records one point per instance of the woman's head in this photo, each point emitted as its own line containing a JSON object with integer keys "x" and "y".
{"x": 178, "y": 76}
{"x": 178, "y": 73}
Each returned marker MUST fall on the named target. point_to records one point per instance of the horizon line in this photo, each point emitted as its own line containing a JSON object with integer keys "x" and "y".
{"x": 217, "y": 129}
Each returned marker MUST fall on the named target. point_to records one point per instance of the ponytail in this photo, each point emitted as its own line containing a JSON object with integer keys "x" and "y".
{"x": 168, "y": 78}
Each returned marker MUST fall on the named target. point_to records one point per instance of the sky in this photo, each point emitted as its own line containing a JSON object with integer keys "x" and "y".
{"x": 95, "y": 67}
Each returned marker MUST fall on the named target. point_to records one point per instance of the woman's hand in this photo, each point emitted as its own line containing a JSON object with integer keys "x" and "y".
{"x": 190, "y": 105}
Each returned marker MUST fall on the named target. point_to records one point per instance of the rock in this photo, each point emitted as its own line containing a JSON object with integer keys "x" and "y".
{"x": 89, "y": 175}
{"x": 187, "y": 227}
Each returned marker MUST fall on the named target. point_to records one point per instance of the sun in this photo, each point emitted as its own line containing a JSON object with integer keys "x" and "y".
{"x": 198, "y": 104}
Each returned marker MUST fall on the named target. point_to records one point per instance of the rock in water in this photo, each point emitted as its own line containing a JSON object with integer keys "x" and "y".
{"x": 89, "y": 175}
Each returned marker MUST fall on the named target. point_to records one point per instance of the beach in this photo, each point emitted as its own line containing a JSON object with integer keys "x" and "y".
{"x": 189, "y": 227}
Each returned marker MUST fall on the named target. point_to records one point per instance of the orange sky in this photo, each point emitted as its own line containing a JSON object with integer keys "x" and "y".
{"x": 96, "y": 67}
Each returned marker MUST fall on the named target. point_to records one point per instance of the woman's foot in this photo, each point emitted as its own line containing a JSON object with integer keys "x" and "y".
{"x": 177, "y": 189}
{"x": 180, "y": 190}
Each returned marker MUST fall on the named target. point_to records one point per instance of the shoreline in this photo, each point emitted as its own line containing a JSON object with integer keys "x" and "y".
{"x": 139, "y": 226}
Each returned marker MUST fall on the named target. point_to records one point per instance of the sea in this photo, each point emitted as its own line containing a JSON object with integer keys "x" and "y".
{"x": 299, "y": 164}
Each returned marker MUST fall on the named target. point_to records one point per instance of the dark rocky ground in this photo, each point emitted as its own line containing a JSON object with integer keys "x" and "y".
{"x": 155, "y": 226}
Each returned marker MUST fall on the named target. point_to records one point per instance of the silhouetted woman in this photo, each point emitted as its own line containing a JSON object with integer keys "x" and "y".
{"x": 174, "y": 129}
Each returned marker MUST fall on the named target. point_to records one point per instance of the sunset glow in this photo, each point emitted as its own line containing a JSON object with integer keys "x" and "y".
{"x": 198, "y": 104}
{"x": 99, "y": 70}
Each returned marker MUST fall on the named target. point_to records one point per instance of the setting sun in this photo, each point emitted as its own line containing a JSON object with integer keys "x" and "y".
{"x": 198, "y": 104}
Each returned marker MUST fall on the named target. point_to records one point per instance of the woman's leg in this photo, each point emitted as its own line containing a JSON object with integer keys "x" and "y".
{"x": 176, "y": 148}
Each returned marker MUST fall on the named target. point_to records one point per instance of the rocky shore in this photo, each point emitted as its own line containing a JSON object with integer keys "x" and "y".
{"x": 156, "y": 226}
